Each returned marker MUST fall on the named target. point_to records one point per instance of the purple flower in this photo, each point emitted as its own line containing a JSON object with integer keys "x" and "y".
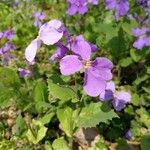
{"x": 127, "y": 135}
{"x": 60, "y": 52}
{"x": 120, "y": 100}
{"x": 24, "y": 72}
{"x": 77, "y": 6}
{"x": 49, "y": 33}
{"x": 94, "y": 2}
{"x": 93, "y": 47}
{"x": 39, "y": 16}
{"x": 142, "y": 38}
{"x": 107, "y": 94}
{"x": 7, "y": 47}
{"x": 9, "y": 34}
{"x": 97, "y": 72}
{"x": 121, "y": 7}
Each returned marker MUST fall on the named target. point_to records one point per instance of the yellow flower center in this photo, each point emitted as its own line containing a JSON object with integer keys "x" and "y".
{"x": 87, "y": 64}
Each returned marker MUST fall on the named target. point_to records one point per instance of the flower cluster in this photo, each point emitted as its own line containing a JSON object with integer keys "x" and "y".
{"x": 39, "y": 17}
{"x": 75, "y": 56}
{"x": 6, "y": 45}
{"x": 119, "y": 98}
{"x": 79, "y": 6}
{"x": 121, "y": 7}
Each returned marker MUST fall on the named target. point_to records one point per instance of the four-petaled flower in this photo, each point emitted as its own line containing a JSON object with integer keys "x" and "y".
{"x": 97, "y": 72}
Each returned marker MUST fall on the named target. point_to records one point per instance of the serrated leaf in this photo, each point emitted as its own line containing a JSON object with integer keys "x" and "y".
{"x": 65, "y": 118}
{"x": 36, "y": 132}
{"x": 60, "y": 144}
{"x": 40, "y": 91}
{"x": 20, "y": 126}
{"x": 46, "y": 118}
{"x": 93, "y": 114}
{"x": 60, "y": 91}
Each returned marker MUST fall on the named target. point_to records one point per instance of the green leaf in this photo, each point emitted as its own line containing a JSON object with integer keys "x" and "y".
{"x": 148, "y": 70}
{"x": 145, "y": 142}
{"x": 48, "y": 146}
{"x": 135, "y": 100}
{"x": 6, "y": 96}
{"x": 127, "y": 26}
{"x": 93, "y": 114}
{"x": 20, "y": 126}
{"x": 59, "y": 90}
{"x": 144, "y": 117}
{"x": 60, "y": 144}
{"x": 46, "y": 118}
{"x": 141, "y": 79}
{"x": 40, "y": 95}
{"x": 66, "y": 121}
{"x": 100, "y": 145}
{"x": 135, "y": 55}
{"x": 9, "y": 78}
{"x": 36, "y": 132}
{"x": 9, "y": 85}
{"x": 40, "y": 91}
{"x": 125, "y": 62}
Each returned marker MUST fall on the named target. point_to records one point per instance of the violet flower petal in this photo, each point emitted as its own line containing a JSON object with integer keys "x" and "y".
{"x": 70, "y": 64}
{"x": 31, "y": 50}
{"x": 93, "y": 86}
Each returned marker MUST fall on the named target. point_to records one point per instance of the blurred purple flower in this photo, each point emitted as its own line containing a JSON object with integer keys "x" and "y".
{"x": 39, "y": 17}
{"x": 121, "y": 7}
{"x": 24, "y": 72}
{"x": 97, "y": 72}
{"x": 142, "y": 37}
{"x": 77, "y": 6}
{"x": 7, "y": 47}
{"x": 128, "y": 135}
{"x": 9, "y": 34}
{"x": 93, "y": 47}
{"x": 49, "y": 33}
